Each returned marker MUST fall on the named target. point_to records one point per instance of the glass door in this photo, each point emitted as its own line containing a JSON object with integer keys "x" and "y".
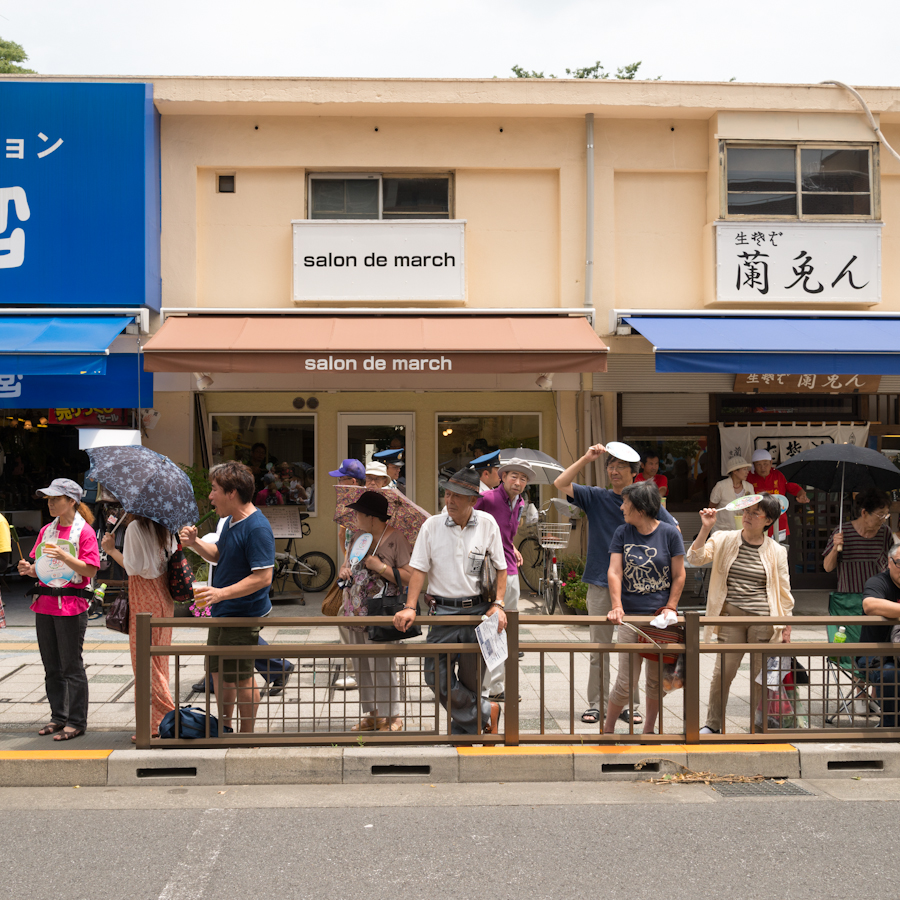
{"x": 360, "y": 435}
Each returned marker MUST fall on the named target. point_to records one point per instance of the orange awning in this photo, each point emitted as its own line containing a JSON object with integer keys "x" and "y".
{"x": 461, "y": 344}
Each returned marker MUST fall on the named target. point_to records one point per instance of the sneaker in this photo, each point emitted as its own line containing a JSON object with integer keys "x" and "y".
{"x": 500, "y": 697}
{"x": 277, "y": 686}
{"x": 707, "y": 730}
{"x": 345, "y": 683}
{"x": 200, "y": 687}
{"x": 521, "y": 654}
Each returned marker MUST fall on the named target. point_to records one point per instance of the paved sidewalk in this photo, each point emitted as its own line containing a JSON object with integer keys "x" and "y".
{"x": 308, "y": 704}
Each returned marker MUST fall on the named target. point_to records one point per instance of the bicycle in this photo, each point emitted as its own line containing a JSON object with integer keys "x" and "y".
{"x": 536, "y": 558}
{"x": 312, "y": 572}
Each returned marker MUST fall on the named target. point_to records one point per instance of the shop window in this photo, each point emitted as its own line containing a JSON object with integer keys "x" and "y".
{"x": 684, "y": 462}
{"x": 800, "y": 181}
{"x": 463, "y": 437}
{"x": 768, "y": 407}
{"x": 379, "y": 197}
{"x": 280, "y": 450}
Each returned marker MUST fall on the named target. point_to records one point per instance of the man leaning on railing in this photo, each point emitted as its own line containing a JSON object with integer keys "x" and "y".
{"x": 245, "y": 561}
{"x": 450, "y": 550}
{"x": 881, "y": 597}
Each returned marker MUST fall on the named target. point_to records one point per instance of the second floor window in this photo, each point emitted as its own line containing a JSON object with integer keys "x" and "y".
{"x": 379, "y": 197}
{"x": 800, "y": 181}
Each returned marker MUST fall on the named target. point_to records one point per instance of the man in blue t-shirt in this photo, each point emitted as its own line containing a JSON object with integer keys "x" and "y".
{"x": 603, "y": 508}
{"x": 245, "y": 561}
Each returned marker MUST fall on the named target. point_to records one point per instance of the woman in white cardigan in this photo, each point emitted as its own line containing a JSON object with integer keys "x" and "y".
{"x": 749, "y": 577}
{"x": 732, "y": 486}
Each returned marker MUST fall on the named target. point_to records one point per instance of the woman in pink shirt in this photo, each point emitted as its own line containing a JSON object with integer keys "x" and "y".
{"x": 66, "y": 558}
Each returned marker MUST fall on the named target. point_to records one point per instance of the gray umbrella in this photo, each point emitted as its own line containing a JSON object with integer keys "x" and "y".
{"x": 544, "y": 465}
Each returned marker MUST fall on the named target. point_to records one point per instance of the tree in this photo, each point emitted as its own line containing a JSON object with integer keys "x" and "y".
{"x": 623, "y": 73}
{"x": 10, "y": 54}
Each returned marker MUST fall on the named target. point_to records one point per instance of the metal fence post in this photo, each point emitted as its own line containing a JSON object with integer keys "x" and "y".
{"x": 142, "y": 638}
{"x": 692, "y": 677}
{"x": 511, "y": 690}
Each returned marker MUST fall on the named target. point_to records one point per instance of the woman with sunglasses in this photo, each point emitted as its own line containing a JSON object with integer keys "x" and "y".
{"x": 860, "y": 549}
{"x": 749, "y": 577}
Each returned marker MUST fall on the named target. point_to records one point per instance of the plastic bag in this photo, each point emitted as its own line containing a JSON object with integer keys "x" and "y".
{"x": 673, "y": 675}
{"x": 779, "y": 712}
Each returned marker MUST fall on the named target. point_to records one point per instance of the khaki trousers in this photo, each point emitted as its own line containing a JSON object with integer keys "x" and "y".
{"x": 599, "y": 604}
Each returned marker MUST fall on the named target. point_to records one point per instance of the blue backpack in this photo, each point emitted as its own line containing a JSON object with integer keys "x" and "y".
{"x": 191, "y": 725}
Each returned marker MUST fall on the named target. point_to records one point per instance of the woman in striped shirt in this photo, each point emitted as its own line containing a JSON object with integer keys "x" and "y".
{"x": 859, "y": 550}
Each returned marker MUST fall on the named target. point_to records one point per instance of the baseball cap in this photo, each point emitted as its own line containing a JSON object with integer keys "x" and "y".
{"x": 62, "y": 487}
{"x": 350, "y": 468}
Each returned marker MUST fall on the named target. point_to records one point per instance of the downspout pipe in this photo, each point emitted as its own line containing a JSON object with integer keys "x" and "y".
{"x": 589, "y": 212}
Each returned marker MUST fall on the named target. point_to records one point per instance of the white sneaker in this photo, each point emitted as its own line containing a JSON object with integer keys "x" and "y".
{"x": 345, "y": 683}
{"x": 707, "y": 730}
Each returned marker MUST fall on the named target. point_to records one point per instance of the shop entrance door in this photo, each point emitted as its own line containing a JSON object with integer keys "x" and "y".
{"x": 360, "y": 435}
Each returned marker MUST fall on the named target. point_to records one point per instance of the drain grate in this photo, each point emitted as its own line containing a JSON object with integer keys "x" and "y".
{"x": 767, "y": 788}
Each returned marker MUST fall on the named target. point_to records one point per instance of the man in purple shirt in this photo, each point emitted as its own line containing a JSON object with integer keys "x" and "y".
{"x": 505, "y": 504}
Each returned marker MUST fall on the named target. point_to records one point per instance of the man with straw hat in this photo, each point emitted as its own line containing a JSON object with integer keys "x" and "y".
{"x": 603, "y": 508}
{"x": 505, "y": 504}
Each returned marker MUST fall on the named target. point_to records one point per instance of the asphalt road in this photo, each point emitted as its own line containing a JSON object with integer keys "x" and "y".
{"x": 447, "y": 841}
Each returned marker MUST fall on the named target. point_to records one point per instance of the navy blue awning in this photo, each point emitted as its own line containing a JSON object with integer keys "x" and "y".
{"x": 778, "y": 344}
{"x": 57, "y": 345}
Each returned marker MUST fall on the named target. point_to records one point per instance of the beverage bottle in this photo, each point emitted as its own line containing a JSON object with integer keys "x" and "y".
{"x": 839, "y": 638}
{"x": 100, "y": 593}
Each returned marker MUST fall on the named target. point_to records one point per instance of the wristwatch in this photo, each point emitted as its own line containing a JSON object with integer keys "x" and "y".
{"x": 498, "y": 604}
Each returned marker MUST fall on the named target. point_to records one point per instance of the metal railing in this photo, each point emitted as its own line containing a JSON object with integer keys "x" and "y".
{"x": 837, "y": 702}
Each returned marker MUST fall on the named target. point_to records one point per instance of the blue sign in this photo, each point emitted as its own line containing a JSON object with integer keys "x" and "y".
{"x": 79, "y": 195}
{"x": 117, "y": 388}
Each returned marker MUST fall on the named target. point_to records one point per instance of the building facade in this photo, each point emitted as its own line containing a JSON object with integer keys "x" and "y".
{"x": 452, "y": 266}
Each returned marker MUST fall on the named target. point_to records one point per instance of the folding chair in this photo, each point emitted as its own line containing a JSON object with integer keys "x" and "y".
{"x": 854, "y": 686}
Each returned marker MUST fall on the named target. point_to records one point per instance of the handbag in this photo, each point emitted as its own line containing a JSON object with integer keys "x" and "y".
{"x": 181, "y": 577}
{"x": 119, "y": 613}
{"x": 334, "y": 600}
{"x": 191, "y": 724}
{"x": 389, "y": 606}
{"x": 488, "y": 581}
{"x": 674, "y": 634}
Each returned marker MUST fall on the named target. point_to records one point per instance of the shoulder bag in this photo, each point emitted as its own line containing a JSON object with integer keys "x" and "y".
{"x": 180, "y": 576}
{"x": 334, "y": 600}
{"x": 119, "y": 613}
{"x": 389, "y": 606}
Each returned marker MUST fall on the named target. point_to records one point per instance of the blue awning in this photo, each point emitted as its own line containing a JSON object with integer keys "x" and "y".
{"x": 57, "y": 345}
{"x": 777, "y": 344}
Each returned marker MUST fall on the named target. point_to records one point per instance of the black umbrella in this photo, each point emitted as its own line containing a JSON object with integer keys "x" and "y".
{"x": 842, "y": 467}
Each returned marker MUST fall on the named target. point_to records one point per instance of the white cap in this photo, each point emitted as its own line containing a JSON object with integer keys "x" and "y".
{"x": 760, "y": 455}
{"x": 377, "y": 468}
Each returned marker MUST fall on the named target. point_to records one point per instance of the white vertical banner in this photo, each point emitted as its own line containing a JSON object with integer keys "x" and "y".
{"x": 784, "y": 440}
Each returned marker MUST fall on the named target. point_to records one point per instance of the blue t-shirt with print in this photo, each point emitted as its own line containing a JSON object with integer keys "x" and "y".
{"x": 603, "y": 508}
{"x": 244, "y": 546}
{"x": 646, "y": 566}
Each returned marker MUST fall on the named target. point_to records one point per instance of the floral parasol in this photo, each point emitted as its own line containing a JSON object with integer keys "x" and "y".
{"x": 405, "y": 516}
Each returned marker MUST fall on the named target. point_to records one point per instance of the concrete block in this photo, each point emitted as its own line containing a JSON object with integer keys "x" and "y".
{"x": 621, "y": 763}
{"x": 411, "y": 765}
{"x": 771, "y": 760}
{"x": 284, "y": 765}
{"x": 833, "y": 760}
{"x": 494, "y": 764}
{"x": 166, "y": 767}
{"x": 49, "y": 769}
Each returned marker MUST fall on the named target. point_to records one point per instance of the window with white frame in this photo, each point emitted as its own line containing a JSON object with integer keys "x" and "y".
{"x": 374, "y": 196}
{"x": 279, "y": 449}
{"x": 800, "y": 181}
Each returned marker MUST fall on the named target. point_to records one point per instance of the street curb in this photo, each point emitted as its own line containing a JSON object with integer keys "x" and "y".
{"x": 440, "y": 765}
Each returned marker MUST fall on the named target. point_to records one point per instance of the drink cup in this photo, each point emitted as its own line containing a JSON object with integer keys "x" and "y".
{"x": 199, "y": 589}
{"x": 738, "y": 521}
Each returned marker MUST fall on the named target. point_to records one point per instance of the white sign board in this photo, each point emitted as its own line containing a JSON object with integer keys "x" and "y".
{"x": 88, "y": 438}
{"x": 336, "y": 260}
{"x": 798, "y": 262}
{"x": 285, "y": 520}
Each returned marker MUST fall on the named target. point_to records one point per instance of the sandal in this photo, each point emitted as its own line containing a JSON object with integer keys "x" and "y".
{"x": 69, "y": 735}
{"x": 368, "y": 724}
{"x": 591, "y": 716}
{"x": 52, "y": 728}
{"x": 395, "y": 724}
{"x": 634, "y": 717}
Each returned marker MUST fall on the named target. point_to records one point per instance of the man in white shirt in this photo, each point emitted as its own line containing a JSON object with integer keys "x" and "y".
{"x": 450, "y": 550}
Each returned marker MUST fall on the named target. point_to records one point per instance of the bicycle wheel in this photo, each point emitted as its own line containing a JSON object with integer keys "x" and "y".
{"x": 550, "y": 596}
{"x": 322, "y": 575}
{"x": 532, "y": 562}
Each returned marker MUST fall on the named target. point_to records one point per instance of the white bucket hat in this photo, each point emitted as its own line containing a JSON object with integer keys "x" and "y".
{"x": 737, "y": 462}
{"x": 377, "y": 468}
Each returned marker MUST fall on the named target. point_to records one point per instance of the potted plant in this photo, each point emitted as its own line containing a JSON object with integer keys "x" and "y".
{"x": 573, "y": 590}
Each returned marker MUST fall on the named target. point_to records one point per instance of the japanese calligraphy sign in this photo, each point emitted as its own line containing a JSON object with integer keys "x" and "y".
{"x": 79, "y": 195}
{"x": 785, "y": 440}
{"x": 106, "y": 417}
{"x": 806, "y": 384}
{"x": 798, "y": 262}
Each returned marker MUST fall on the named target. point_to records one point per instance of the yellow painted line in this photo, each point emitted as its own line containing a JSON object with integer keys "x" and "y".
{"x": 647, "y": 749}
{"x": 54, "y": 754}
{"x": 740, "y": 748}
{"x": 514, "y": 751}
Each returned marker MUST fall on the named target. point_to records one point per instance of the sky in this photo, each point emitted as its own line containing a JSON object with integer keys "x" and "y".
{"x": 804, "y": 41}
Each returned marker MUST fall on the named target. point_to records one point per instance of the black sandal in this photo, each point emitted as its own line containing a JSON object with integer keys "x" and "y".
{"x": 52, "y": 728}
{"x": 68, "y": 735}
{"x": 591, "y": 716}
